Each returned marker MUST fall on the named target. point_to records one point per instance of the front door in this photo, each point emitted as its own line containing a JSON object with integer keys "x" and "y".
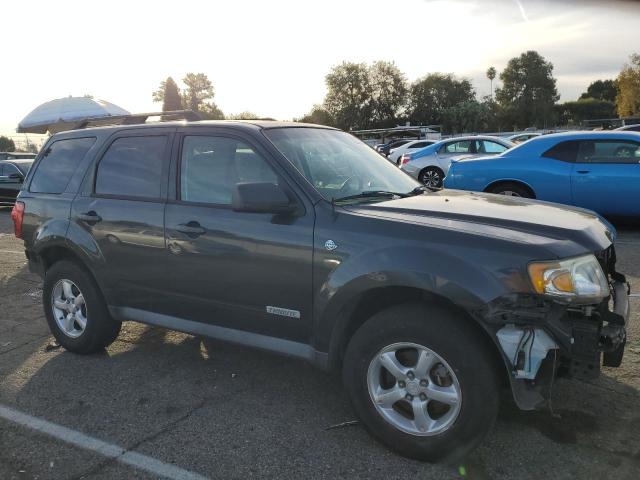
{"x": 606, "y": 176}
{"x": 10, "y": 182}
{"x": 246, "y": 271}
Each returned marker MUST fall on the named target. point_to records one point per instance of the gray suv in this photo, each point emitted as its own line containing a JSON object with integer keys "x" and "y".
{"x": 302, "y": 240}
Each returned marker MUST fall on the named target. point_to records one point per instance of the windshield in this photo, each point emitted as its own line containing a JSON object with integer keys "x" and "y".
{"x": 337, "y": 164}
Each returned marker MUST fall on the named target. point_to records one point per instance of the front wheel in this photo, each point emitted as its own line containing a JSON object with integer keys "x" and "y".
{"x": 421, "y": 382}
{"x": 431, "y": 177}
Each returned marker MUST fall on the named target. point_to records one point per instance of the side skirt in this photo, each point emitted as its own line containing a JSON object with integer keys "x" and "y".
{"x": 241, "y": 337}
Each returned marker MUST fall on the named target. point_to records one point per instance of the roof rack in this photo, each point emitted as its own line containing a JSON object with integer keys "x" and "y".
{"x": 136, "y": 118}
{"x": 103, "y": 121}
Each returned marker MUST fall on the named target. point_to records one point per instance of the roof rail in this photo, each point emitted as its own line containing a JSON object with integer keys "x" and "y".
{"x": 136, "y": 118}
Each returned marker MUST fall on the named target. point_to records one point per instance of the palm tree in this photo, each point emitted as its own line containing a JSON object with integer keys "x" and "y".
{"x": 491, "y": 74}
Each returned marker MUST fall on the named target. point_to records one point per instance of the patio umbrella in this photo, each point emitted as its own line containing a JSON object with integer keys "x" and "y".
{"x": 66, "y": 114}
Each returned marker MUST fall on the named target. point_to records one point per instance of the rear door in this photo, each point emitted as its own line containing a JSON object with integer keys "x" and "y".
{"x": 606, "y": 177}
{"x": 123, "y": 210}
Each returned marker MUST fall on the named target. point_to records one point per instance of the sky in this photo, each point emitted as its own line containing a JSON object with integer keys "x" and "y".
{"x": 270, "y": 57}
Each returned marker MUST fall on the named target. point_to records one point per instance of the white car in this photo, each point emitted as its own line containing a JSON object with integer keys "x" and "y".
{"x": 396, "y": 153}
{"x": 523, "y": 137}
{"x": 431, "y": 164}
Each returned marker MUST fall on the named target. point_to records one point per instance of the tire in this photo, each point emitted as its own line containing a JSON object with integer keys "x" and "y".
{"x": 511, "y": 189}
{"x": 474, "y": 377}
{"x": 431, "y": 177}
{"x": 84, "y": 303}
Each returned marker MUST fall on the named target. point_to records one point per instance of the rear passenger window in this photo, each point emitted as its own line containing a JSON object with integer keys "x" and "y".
{"x": 211, "y": 167}
{"x": 608, "y": 151}
{"x": 58, "y": 164}
{"x": 132, "y": 167}
{"x": 564, "y": 151}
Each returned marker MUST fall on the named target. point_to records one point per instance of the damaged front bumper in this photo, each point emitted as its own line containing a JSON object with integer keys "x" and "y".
{"x": 541, "y": 338}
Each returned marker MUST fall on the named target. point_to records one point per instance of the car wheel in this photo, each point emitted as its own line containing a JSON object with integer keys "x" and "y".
{"x": 431, "y": 177}
{"x": 422, "y": 382}
{"x": 512, "y": 190}
{"x": 76, "y": 311}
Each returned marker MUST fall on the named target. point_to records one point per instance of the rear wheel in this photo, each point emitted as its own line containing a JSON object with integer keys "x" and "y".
{"x": 421, "y": 382}
{"x": 75, "y": 310}
{"x": 431, "y": 177}
{"x": 512, "y": 190}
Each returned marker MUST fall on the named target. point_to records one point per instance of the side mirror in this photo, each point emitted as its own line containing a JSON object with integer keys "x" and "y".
{"x": 261, "y": 197}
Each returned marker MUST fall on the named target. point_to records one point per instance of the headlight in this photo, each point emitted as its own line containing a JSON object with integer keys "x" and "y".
{"x": 576, "y": 279}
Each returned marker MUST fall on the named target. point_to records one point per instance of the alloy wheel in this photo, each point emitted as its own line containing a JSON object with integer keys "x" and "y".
{"x": 414, "y": 389}
{"x": 69, "y": 308}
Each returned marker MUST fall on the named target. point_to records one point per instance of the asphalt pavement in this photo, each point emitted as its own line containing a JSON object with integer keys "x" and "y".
{"x": 160, "y": 403}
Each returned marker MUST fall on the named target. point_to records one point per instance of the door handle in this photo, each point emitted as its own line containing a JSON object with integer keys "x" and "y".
{"x": 192, "y": 228}
{"x": 583, "y": 171}
{"x": 89, "y": 217}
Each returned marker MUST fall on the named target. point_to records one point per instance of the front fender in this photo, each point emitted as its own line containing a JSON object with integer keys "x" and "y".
{"x": 436, "y": 273}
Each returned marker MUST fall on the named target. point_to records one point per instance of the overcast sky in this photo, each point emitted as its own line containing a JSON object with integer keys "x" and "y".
{"x": 270, "y": 56}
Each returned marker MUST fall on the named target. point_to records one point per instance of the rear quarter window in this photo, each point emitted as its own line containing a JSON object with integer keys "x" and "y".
{"x": 58, "y": 164}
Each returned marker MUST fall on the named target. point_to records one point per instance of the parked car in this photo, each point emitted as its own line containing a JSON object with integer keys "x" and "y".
{"x": 17, "y": 156}
{"x": 431, "y": 164}
{"x": 12, "y": 174}
{"x": 385, "y": 148}
{"x": 595, "y": 170}
{"x": 523, "y": 137}
{"x": 395, "y": 154}
{"x": 302, "y": 240}
{"x": 630, "y": 128}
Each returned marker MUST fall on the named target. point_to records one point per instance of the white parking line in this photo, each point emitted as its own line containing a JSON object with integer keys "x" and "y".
{"x": 78, "y": 439}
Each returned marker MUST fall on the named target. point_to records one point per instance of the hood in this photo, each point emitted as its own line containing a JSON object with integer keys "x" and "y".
{"x": 565, "y": 230}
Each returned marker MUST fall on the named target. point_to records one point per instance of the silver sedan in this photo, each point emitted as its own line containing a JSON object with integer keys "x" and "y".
{"x": 431, "y": 164}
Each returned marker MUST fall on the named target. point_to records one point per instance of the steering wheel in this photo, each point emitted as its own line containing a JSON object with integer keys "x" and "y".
{"x": 351, "y": 179}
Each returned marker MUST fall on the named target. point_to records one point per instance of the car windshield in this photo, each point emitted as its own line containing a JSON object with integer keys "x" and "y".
{"x": 338, "y": 165}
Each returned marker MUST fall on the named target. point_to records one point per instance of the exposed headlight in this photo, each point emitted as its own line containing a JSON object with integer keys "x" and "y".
{"x": 579, "y": 279}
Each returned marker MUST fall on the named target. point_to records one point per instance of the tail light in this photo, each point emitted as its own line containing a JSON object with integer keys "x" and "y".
{"x": 17, "y": 215}
{"x": 406, "y": 159}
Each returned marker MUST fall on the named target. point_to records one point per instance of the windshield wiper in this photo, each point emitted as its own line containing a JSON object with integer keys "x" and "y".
{"x": 373, "y": 193}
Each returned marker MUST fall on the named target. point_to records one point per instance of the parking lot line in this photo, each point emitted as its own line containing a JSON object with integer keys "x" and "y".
{"x": 86, "y": 442}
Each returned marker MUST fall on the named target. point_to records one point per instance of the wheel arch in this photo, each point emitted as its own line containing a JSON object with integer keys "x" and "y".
{"x": 368, "y": 303}
{"x": 515, "y": 181}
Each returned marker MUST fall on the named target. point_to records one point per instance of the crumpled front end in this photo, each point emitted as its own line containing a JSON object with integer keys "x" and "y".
{"x": 541, "y": 338}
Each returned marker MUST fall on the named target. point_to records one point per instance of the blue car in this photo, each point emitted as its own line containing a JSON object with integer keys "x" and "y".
{"x": 595, "y": 170}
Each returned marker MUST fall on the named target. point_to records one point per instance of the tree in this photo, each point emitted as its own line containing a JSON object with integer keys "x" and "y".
{"x": 171, "y": 99}
{"x": 388, "y": 93}
{"x": 319, "y": 116}
{"x": 491, "y": 74}
{"x": 601, "y": 90}
{"x": 6, "y": 144}
{"x": 628, "y": 98}
{"x": 158, "y": 95}
{"x": 348, "y": 98}
{"x": 576, "y": 112}
{"x": 199, "y": 88}
{"x": 243, "y": 116}
{"x": 430, "y": 96}
{"x": 467, "y": 117}
{"x": 528, "y": 91}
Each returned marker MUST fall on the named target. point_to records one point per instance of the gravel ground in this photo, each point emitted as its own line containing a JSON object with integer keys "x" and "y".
{"x": 224, "y": 411}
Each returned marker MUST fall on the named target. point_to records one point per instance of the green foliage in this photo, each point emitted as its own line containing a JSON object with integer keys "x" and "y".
{"x": 6, "y": 144}
{"x": 467, "y": 117}
{"x": 602, "y": 90}
{"x": 388, "y": 93}
{"x": 172, "y": 100}
{"x": 319, "y": 116}
{"x": 197, "y": 96}
{"x": 574, "y": 113}
{"x": 628, "y": 98}
{"x": 431, "y": 95}
{"x": 243, "y": 116}
{"x": 528, "y": 92}
{"x": 349, "y": 93}
{"x": 491, "y": 73}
